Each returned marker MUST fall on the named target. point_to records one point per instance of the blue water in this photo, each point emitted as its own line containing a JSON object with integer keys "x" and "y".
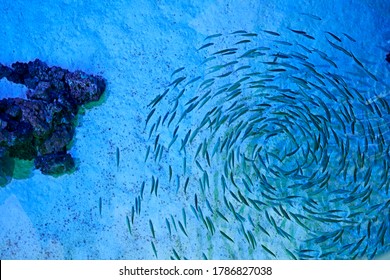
{"x": 281, "y": 152}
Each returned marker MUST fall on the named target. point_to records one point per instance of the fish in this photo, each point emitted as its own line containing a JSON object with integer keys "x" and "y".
{"x": 158, "y": 123}
{"x": 210, "y": 225}
{"x": 334, "y": 36}
{"x": 199, "y": 165}
{"x": 153, "y": 184}
{"x": 239, "y": 32}
{"x": 252, "y": 53}
{"x": 337, "y": 47}
{"x": 177, "y": 71}
{"x": 311, "y": 16}
{"x": 209, "y": 206}
{"x": 168, "y": 226}
{"x": 242, "y": 68}
{"x": 170, "y": 172}
{"x": 263, "y": 229}
{"x": 194, "y": 211}
{"x": 136, "y": 205}
{"x": 149, "y": 116}
{"x": 206, "y": 84}
{"x": 283, "y": 42}
{"x": 271, "y": 33}
{"x": 226, "y": 51}
{"x": 186, "y": 184}
{"x": 290, "y": 254}
{"x": 247, "y": 187}
{"x": 155, "y": 146}
{"x": 268, "y": 250}
{"x": 297, "y": 218}
{"x": 205, "y": 46}
{"x": 277, "y": 70}
{"x": 222, "y": 216}
{"x": 172, "y": 141}
{"x": 154, "y": 249}
{"x": 177, "y": 81}
{"x": 175, "y": 131}
{"x": 206, "y": 179}
{"x": 191, "y": 100}
{"x": 142, "y": 189}
{"x": 249, "y": 34}
{"x": 243, "y": 42}
{"x": 147, "y": 154}
{"x": 128, "y": 224}
{"x": 139, "y": 205}
{"x": 151, "y": 130}
{"x": 297, "y": 31}
{"x": 220, "y": 67}
{"x": 304, "y": 48}
{"x": 152, "y": 229}
{"x": 193, "y": 81}
{"x": 252, "y": 239}
{"x": 100, "y": 206}
{"x": 327, "y": 59}
{"x": 213, "y": 36}
{"x": 226, "y": 236}
{"x": 284, "y": 212}
{"x": 173, "y": 222}
{"x": 211, "y": 58}
{"x": 225, "y": 74}
{"x": 132, "y": 214}
{"x": 357, "y": 245}
{"x": 349, "y": 37}
{"x": 158, "y": 98}
{"x": 301, "y": 82}
{"x": 182, "y": 228}
{"x": 176, "y": 254}
{"x": 156, "y": 187}
{"x": 242, "y": 198}
{"x": 184, "y": 167}
{"x": 172, "y": 117}
{"x": 357, "y": 61}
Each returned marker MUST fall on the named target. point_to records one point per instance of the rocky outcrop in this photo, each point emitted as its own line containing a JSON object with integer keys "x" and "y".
{"x": 41, "y": 126}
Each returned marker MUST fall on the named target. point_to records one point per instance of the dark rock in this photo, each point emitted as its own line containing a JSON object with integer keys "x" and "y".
{"x": 42, "y": 126}
{"x": 54, "y": 164}
{"x": 388, "y": 57}
{"x": 84, "y": 88}
{"x": 57, "y": 140}
{"x": 41, "y": 92}
{"x": 4, "y": 71}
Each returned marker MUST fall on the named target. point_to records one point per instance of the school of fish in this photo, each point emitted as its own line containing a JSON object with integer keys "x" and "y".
{"x": 277, "y": 150}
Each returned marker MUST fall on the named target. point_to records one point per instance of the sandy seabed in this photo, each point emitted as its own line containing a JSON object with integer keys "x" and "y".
{"x": 136, "y": 45}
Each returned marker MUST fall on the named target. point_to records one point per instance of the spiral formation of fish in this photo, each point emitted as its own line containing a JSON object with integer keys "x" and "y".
{"x": 274, "y": 149}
